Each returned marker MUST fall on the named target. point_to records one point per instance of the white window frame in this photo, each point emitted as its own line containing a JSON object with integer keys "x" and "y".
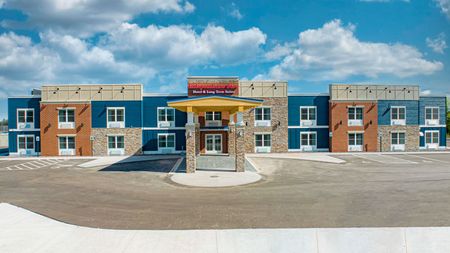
{"x": 26, "y": 151}
{"x": 66, "y": 124}
{"x": 308, "y": 147}
{"x": 67, "y": 151}
{"x": 115, "y": 123}
{"x": 115, "y": 150}
{"x": 167, "y": 149}
{"x": 432, "y": 121}
{"x": 310, "y": 122}
{"x": 397, "y": 121}
{"x": 354, "y": 121}
{"x": 214, "y": 121}
{"x": 165, "y": 123}
{"x": 214, "y": 144}
{"x": 263, "y": 121}
{"x": 431, "y": 145}
{"x": 263, "y": 148}
{"x": 398, "y": 146}
{"x": 354, "y": 146}
{"x": 25, "y": 125}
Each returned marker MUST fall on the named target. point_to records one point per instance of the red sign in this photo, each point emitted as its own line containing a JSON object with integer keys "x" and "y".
{"x": 205, "y": 89}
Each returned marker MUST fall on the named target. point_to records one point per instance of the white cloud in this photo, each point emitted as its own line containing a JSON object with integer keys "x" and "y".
{"x": 444, "y": 5}
{"x": 128, "y": 54}
{"x": 279, "y": 51}
{"x": 85, "y": 17}
{"x": 173, "y": 47}
{"x": 437, "y": 44}
{"x": 235, "y": 13}
{"x": 425, "y": 92}
{"x": 332, "y": 52}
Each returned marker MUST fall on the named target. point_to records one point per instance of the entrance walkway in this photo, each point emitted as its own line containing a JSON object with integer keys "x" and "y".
{"x": 215, "y": 178}
{"x": 25, "y": 231}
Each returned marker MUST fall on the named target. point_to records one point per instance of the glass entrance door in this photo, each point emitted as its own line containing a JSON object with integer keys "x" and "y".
{"x": 213, "y": 143}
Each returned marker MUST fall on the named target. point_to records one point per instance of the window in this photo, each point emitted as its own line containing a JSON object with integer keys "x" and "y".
{"x": 398, "y": 115}
{"x": 116, "y": 142}
{"x": 431, "y": 115}
{"x": 355, "y": 116}
{"x": 213, "y": 116}
{"x": 263, "y": 143}
{"x": 66, "y": 118}
{"x": 308, "y": 141}
{"x": 262, "y": 114}
{"x": 26, "y": 142}
{"x": 116, "y": 145}
{"x": 166, "y": 141}
{"x": 25, "y": 118}
{"x": 308, "y": 115}
{"x": 66, "y": 145}
{"x": 432, "y": 139}
{"x": 166, "y": 117}
{"x": 355, "y": 141}
{"x": 398, "y": 138}
{"x": 213, "y": 119}
{"x": 116, "y": 117}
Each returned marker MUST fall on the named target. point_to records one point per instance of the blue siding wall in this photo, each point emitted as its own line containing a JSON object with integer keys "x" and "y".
{"x": 384, "y": 111}
{"x": 12, "y": 140}
{"x": 433, "y": 102}
{"x": 16, "y": 103}
{"x": 150, "y": 105}
{"x": 294, "y": 137}
{"x": 442, "y": 135}
{"x": 294, "y": 103}
{"x": 150, "y": 139}
{"x": 133, "y": 112}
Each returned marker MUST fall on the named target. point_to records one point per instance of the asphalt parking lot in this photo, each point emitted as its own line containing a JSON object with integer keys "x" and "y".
{"x": 369, "y": 190}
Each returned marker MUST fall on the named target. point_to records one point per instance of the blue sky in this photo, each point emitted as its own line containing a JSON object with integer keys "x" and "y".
{"x": 160, "y": 42}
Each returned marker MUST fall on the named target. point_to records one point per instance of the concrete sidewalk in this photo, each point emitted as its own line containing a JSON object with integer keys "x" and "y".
{"x": 25, "y": 231}
{"x": 308, "y": 156}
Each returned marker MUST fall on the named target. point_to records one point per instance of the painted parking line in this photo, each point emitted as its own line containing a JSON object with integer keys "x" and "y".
{"x": 27, "y": 166}
{"x": 176, "y": 165}
{"x": 400, "y": 159}
{"x": 428, "y": 158}
{"x": 382, "y": 159}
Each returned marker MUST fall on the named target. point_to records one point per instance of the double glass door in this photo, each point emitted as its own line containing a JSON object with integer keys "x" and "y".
{"x": 213, "y": 143}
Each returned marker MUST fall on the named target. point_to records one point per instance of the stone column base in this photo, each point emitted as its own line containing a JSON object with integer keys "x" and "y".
{"x": 240, "y": 149}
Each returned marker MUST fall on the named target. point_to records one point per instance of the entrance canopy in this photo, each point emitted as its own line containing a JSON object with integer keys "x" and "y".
{"x": 214, "y": 103}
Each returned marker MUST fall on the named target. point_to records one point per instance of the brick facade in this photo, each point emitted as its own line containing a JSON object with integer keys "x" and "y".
{"x": 50, "y": 130}
{"x": 340, "y": 129}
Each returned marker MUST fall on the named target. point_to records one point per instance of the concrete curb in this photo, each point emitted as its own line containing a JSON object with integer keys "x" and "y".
{"x": 25, "y": 231}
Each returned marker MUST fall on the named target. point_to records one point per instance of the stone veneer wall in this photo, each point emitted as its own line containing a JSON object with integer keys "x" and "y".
{"x": 411, "y": 137}
{"x": 132, "y": 138}
{"x": 279, "y": 110}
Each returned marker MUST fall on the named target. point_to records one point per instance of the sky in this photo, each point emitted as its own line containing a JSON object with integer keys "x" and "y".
{"x": 310, "y": 43}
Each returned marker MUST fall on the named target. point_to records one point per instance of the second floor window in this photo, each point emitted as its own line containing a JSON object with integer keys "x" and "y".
{"x": 213, "y": 116}
{"x": 431, "y": 115}
{"x": 25, "y": 118}
{"x": 398, "y": 115}
{"x": 308, "y": 115}
{"x": 263, "y": 114}
{"x": 66, "y": 118}
{"x": 355, "y": 116}
{"x": 116, "y": 117}
{"x": 166, "y": 114}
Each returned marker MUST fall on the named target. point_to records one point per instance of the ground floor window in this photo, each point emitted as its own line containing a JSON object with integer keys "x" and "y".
{"x": 166, "y": 142}
{"x": 25, "y": 143}
{"x": 66, "y": 145}
{"x": 432, "y": 139}
{"x": 263, "y": 143}
{"x": 213, "y": 143}
{"x": 116, "y": 145}
{"x": 398, "y": 141}
{"x": 308, "y": 141}
{"x": 355, "y": 141}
